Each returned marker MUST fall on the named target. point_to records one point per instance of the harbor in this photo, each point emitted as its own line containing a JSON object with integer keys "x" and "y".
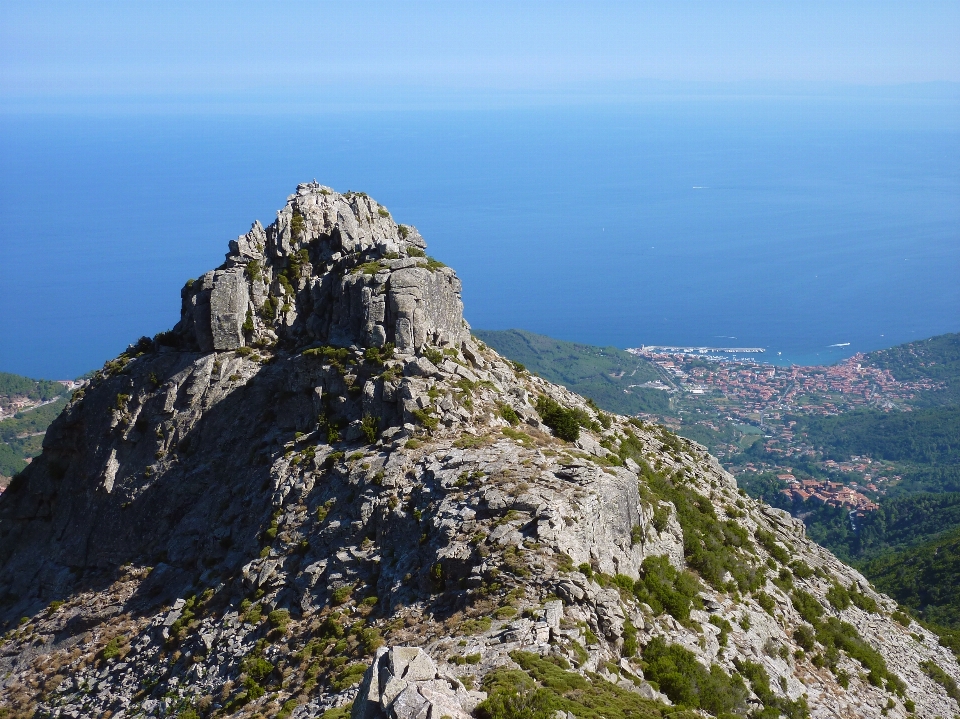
{"x": 696, "y": 350}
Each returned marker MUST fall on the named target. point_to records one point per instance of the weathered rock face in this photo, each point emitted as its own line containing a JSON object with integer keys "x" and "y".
{"x": 236, "y": 516}
{"x": 404, "y": 683}
{"x": 334, "y": 269}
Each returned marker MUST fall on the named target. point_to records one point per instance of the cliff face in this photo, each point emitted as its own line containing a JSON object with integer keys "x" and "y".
{"x": 318, "y": 489}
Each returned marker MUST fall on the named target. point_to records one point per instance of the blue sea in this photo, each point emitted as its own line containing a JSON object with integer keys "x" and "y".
{"x": 791, "y": 223}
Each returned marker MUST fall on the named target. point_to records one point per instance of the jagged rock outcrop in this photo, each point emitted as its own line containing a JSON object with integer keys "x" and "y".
{"x": 319, "y": 489}
{"x": 404, "y": 683}
{"x": 333, "y": 268}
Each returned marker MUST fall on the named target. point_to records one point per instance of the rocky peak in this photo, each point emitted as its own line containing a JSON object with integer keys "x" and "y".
{"x": 332, "y": 269}
{"x": 319, "y": 491}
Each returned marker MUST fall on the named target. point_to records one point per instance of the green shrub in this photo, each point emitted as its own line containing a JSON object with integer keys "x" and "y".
{"x": 804, "y": 637}
{"x": 253, "y": 270}
{"x": 688, "y": 683}
{"x": 414, "y": 251}
{"x": 933, "y": 671}
{"x": 629, "y": 639}
{"x": 279, "y": 618}
{"x": 268, "y": 310}
{"x": 256, "y": 667}
{"x": 324, "y": 509}
{"x": 543, "y": 686}
{"x": 434, "y": 355}
{"x": 468, "y": 659}
{"x": 370, "y": 640}
{"x": 774, "y": 705}
{"x": 369, "y": 268}
{"x": 661, "y": 518}
{"x": 348, "y": 676}
{"x": 765, "y": 601}
{"x": 370, "y": 426}
{"x": 113, "y": 648}
{"x": 838, "y": 597}
{"x": 864, "y": 602}
{"x": 838, "y": 636}
{"x": 562, "y": 421}
{"x": 338, "y": 713}
{"x": 769, "y": 542}
{"x": 711, "y": 547}
{"x": 475, "y": 626}
{"x": 808, "y": 607}
{"x": 251, "y": 614}
{"x": 784, "y": 579}
{"x": 666, "y": 589}
{"x": 801, "y": 569}
{"x": 724, "y": 626}
{"x": 379, "y": 355}
{"x": 901, "y": 618}
{"x": 426, "y": 418}
{"x": 285, "y": 284}
{"x": 331, "y": 628}
{"x": 286, "y": 710}
{"x": 297, "y": 225}
{"x": 341, "y": 595}
{"x": 509, "y": 414}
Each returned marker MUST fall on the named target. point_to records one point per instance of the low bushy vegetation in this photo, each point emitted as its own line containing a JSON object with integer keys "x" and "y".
{"x": 933, "y": 671}
{"x": 370, "y": 426}
{"x": 564, "y": 422}
{"x": 509, "y": 414}
{"x": 543, "y": 686}
{"x": 836, "y": 636}
{"x": 379, "y": 355}
{"x": 667, "y": 589}
{"x": 769, "y": 542}
{"x": 689, "y": 684}
{"x": 711, "y": 547}
{"x": 773, "y": 705}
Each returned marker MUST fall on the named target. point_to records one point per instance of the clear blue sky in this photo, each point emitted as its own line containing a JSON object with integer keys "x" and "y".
{"x": 54, "y": 52}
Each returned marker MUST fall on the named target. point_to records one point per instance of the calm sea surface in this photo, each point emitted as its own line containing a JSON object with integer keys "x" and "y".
{"x": 787, "y": 224}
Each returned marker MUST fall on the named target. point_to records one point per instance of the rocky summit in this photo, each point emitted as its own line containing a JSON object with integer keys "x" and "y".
{"x": 319, "y": 495}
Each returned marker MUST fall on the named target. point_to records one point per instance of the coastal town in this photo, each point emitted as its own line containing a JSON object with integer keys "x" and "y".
{"x": 20, "y": 435}
{"x": 751, "y": 389}
{"x": 711, "y": 394}
{"x": 10, "y": 405}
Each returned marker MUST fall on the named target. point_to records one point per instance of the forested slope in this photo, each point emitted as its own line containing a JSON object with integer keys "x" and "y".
{"x": 607, "y": 375}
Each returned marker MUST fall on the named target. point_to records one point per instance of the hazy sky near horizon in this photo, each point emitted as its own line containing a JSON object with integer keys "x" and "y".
{"x": 58, "y": 51}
